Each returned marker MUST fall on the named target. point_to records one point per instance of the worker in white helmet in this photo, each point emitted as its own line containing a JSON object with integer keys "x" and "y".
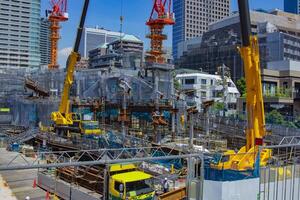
{"x": 166, "y": 185}
{"x": 27, "y": 198}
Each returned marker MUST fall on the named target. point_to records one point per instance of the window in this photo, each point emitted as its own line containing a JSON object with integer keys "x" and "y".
{"x": 189, "y": 81}
{"x": 269, "y": 88}
{"x": 203, "y": 81}
{"x": 118, "y": 186}
{"x": 203, "y": 94}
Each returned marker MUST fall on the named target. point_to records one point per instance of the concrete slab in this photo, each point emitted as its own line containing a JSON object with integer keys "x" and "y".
{"x": 20, "y": 183}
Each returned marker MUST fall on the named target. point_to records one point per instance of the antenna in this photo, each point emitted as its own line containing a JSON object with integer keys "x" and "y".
{"x": 121, "y": 25}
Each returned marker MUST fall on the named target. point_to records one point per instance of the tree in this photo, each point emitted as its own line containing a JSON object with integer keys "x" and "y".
{"x": 274, "y": 117}
{"x": 241, "y": 85}
{"x": 219, "y": 106}
{"x": 177, "y": 84}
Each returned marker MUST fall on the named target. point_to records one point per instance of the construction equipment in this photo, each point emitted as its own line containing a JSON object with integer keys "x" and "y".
{"x": 56, "y": 15}
{"x": 164, "y": 17}
{"x": 247, "y": 156}
{"x": 33, "y": 85}
{"x": 127, "y": 182}
{"x": 64, "y": 120}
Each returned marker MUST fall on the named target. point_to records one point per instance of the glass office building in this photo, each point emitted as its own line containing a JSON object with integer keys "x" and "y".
{"x": 94, "y": 37}
{"x": 20, "y": 33}
{"x": 45, "y": 42}
{"x": 193, "y": 16}
{"x": 292, "y": 6}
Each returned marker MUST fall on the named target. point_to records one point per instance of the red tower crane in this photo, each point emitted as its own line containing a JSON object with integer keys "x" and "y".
{"x": 56, "y": 15}
{"x": 160, "y": 17}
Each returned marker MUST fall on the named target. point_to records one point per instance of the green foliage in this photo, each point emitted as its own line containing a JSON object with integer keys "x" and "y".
{"x": 280, "y": 92}
{"x": 241, "y": 85}
{"x": 297, "y": 122}
{"x": 177, "y": 85}
{"x": 219, "y": 106}
{"x": 274, "y": 117}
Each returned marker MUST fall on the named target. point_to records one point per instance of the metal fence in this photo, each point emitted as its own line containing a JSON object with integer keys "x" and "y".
{"x": 280, "y": 179}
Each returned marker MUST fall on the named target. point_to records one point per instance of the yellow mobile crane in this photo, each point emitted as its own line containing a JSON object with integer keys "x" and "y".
{"x": 64, "y": 120}
{"x": 245, "y": 158}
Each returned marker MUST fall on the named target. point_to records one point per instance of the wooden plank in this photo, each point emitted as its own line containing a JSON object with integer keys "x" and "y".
{"x": 174, "y": 195}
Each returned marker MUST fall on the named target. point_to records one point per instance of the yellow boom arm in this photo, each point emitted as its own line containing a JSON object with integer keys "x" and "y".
{"x": 254, "y": 99}
{"x": 63, "y": 115}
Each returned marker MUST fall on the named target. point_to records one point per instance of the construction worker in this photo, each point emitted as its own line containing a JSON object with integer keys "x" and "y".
{"x": 27, "y": 198}
{"x": 166, "y": 185}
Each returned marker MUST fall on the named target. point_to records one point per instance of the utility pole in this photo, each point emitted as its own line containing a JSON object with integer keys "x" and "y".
{"x": 191, "y": 112}
{"x": 126, "y": 90}
{"x": 225, "y": 75}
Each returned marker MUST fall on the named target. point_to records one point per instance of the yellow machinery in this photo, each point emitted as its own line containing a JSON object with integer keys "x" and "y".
{"x": 127, "y": 182}
{"x": 64, "y": 120}
{"x": 245, "y": 158}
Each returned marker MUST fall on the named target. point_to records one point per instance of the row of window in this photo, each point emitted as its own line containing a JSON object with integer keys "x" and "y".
{"x": 191, "y": 81}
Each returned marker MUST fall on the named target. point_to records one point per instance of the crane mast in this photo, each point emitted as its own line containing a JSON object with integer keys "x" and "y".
{"x": 57, "y": 14}
{"x": 160, "y": 17}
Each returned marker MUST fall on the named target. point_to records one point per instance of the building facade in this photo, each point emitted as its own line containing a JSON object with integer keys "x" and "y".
{"x": 93, "y": 37}
{"x": 292, "y": 6}
{"x": 200, "y": 87}
{"x": 281, "y": 88}
{"x": 193, "y": 16}
{"x": 278, "y": 34}
{"x": 20, "y": 33}
{"x": 127, "y": 52}
{"x": 45, "y": 42}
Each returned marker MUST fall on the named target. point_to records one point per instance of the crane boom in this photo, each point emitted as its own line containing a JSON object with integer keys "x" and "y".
{"x": 63, "y": 115}
{"x": 254, "y": 100}
{"x": 247, "y": 156}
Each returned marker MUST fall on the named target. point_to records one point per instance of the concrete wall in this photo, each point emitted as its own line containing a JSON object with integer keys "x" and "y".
{"x": 64, "y": 189}
{"x": 234, "y": 190}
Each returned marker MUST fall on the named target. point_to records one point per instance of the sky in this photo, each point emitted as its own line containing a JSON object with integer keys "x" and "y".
{"x": 106, "y": 14}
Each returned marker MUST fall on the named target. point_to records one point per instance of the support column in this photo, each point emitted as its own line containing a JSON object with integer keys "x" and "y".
{"x": 191, "y": 131}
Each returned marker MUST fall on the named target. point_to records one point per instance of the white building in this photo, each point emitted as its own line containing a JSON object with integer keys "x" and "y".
{"x": 200, "y": 87}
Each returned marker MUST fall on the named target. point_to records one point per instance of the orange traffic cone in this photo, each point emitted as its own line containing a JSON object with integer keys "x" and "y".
{"x": 34, "y": 183}
{"x": 47, "y": 196}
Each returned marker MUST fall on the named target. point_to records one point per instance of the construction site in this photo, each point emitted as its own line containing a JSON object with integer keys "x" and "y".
{"x": 128, "y": 133}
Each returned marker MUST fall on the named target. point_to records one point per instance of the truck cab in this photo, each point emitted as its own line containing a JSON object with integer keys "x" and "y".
{"x": 127, "y": 182}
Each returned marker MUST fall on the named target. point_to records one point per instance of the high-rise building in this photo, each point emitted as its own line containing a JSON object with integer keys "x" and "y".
{"x": 45, "y": 42}
{"x": 193, "y": 16}
{"x": 292, "y": 6}
{"x": 20, "y": 33}
{"x": 94, "y": 37}
{"x": 278, "y": 36}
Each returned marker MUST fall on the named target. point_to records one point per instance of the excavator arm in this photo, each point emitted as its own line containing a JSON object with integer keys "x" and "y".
{"x": 63, "y": 115}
